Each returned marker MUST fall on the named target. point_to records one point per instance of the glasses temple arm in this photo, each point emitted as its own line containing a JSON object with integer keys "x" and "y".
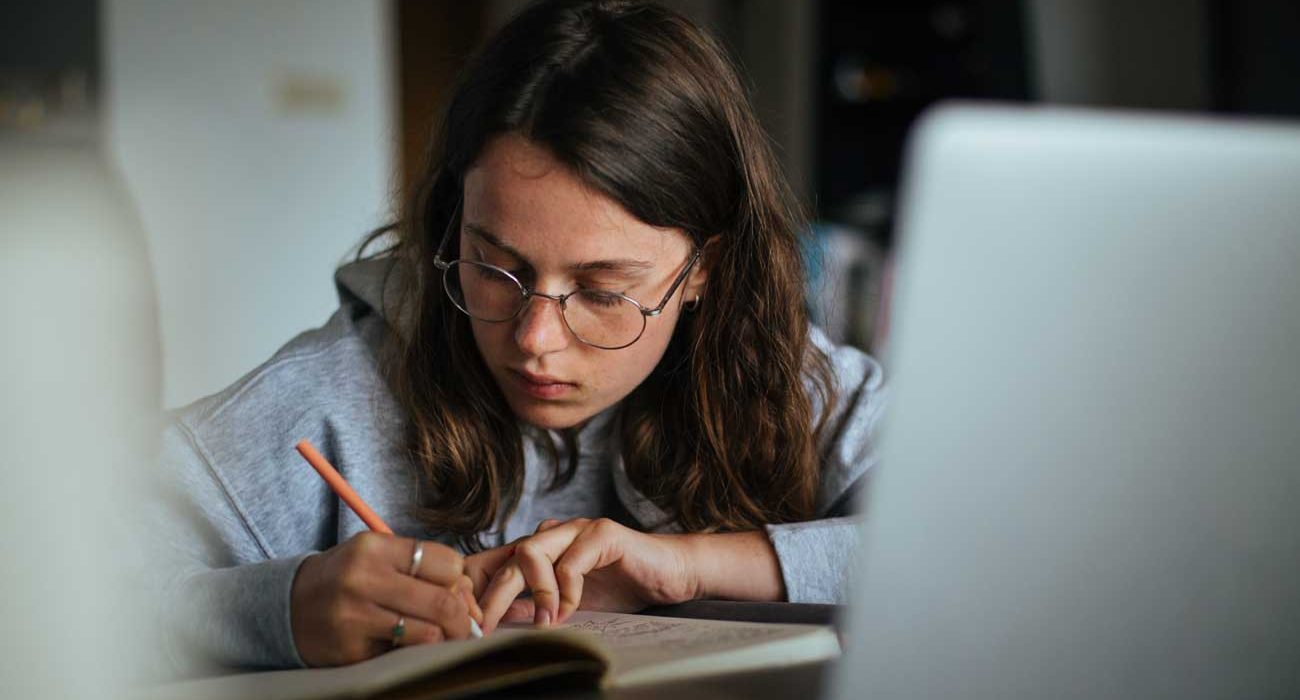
{"x": 438, "y": 260}
{"x": 681, "y": 277}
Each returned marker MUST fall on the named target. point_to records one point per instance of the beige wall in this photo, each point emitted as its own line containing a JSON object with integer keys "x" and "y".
{"x": 256, "y": 138}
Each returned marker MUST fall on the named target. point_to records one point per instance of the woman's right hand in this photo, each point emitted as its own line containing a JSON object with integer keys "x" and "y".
{"x": 346, "y": 600}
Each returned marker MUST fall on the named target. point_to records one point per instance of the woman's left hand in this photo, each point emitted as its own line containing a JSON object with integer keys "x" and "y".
{"x": 596, "y": 564}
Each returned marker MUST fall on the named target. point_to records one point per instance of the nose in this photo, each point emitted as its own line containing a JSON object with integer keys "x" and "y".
{"x": 540, "y": 327}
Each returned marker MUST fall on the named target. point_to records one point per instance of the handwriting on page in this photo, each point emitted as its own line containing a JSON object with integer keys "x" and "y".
{"x": 620, "y": 632}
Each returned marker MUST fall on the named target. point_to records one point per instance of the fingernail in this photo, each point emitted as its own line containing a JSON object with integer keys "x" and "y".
{"x": 543, "y": 617}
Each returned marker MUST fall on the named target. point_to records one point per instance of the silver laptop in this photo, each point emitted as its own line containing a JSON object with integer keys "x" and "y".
{"x": 1090, "y": 480}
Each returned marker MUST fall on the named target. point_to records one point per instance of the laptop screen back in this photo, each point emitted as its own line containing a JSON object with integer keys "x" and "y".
{"x": 1090, "y": 470}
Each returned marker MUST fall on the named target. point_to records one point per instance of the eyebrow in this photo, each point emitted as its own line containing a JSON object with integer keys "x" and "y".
{"x": 627, "y": 266}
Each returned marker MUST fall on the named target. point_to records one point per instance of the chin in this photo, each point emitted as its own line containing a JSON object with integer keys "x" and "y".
{"x": 550, "y": 416}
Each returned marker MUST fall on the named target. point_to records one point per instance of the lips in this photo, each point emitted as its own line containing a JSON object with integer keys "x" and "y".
{"x": 539, "y": 378}
{"x": 542, "y": 386}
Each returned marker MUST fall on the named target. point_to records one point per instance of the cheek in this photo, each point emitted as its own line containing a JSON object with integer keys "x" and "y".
{"x": 491, "y": 338}
{"x": 639, "y": 360}
{"x": 615, "y": 373}
{"x": 659, "y": 331}
{"x": 611, "y": 374}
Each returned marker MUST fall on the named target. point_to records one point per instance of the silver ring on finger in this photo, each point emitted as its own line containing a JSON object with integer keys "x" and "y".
{"x": 417, "y": 555}
{"x": 399, "y": 630}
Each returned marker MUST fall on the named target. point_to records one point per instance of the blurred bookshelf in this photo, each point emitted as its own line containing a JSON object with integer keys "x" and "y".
{"x": 49, "y": 67}
{"x": 879, "y": 65}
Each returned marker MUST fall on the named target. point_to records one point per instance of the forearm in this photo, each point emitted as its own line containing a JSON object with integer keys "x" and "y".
{"x": 734, "y": 566}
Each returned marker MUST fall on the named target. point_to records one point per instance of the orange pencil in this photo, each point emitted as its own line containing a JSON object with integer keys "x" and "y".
{"x": 353, "y": 499}
{"x": 341, "y": 487}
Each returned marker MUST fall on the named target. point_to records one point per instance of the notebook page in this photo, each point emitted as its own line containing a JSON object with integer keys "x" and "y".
{"x": 647, "y": 648}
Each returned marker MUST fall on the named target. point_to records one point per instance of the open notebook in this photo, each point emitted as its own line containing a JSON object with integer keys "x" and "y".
{"x": 590, "y": 650}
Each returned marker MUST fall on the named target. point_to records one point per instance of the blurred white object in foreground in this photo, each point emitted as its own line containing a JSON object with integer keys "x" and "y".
{"x": 79, "y": 377}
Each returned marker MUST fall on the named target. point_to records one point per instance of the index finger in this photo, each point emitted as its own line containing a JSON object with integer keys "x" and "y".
{"x": 482, "y": 566}
{"x": 506, "y": 585}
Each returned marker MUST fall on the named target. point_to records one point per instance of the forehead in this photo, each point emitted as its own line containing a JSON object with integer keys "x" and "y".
{"x": 529, "y": 200}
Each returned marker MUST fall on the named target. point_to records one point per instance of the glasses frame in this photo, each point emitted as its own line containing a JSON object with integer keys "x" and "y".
{"x": 527, "y": 293}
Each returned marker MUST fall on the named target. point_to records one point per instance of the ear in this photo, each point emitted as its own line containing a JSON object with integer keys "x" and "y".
{"x": 697, "y": 281}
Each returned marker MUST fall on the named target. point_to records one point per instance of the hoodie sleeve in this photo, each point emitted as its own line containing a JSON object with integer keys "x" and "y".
{"x": 222, "y": 597}
{"x": 240, "y": 511}
{"x": 813, "y": 555}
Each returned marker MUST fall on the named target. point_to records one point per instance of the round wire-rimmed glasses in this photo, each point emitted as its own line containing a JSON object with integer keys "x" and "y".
{"x": 599, "y": 318}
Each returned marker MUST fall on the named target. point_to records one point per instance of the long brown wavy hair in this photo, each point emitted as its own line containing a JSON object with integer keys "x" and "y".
{"x": 647, "y": 109}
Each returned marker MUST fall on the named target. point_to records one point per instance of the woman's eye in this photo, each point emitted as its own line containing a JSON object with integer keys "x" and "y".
{"x": 490, "y": 275}
{"x": 494, "y": 259}
{"x": 520, "y": 273}
{"x": 602, "y": 299}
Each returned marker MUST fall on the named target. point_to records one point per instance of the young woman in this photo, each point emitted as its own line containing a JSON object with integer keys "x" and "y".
{"x": 580, "y": 368}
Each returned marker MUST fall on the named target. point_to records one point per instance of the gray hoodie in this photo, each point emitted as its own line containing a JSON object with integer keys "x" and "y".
{"x": 243, "y": 510}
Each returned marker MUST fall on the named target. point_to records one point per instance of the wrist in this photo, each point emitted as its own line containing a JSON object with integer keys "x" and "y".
{"x": 694, "y": 549}
{"x": 733, "y": 566}
{"x": 299, "y": 590}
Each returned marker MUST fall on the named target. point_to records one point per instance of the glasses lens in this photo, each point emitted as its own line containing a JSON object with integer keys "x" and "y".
{"x": 604, "y": 319}
{"x": 485, "y": 292}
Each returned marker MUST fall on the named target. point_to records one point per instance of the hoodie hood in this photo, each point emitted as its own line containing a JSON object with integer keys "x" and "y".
{"x": 369, "y": 286}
